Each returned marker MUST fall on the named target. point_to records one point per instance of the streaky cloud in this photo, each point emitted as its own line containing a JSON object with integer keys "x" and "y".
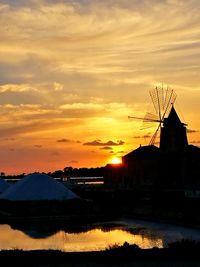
{"x": 108, "y": 143}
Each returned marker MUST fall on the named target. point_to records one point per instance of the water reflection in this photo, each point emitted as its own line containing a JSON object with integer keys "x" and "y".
{"x": 97, "y": 237}
{"x": 40, "y": 231}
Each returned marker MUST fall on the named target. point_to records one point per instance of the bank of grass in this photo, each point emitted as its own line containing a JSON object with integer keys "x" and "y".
{"x": 184, "y": 250}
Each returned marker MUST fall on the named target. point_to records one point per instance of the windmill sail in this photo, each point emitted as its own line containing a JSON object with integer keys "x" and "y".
{"x": 162, "y": 100}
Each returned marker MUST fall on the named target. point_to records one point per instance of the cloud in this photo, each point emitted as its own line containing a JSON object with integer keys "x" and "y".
{"x": 64, "y": 140}
{"x": 142, "y": 136}
{"x": 15, "y": 88}
{"x": 73, "y": 161}
{"x": 89, "y": 48}
{"x": 195, "y": 142}
{"x": 58, "y": 87}
{"x": 106, "y": 148}
{"x": 108, "y": 143}
{"x": 34, "y": 127}
{"x": 81, "y": 106}
{"x": 192, "y": 131}
{"x": 38, "y": 146}
{"x": 83, "y": 66}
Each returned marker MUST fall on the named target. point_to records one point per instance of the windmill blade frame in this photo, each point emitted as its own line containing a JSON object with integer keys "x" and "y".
{"x": 162, "y": 100}
{"x": 153, "y": 138}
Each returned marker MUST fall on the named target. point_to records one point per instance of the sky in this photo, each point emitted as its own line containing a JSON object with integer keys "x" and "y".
{"x": 71, "y": 72}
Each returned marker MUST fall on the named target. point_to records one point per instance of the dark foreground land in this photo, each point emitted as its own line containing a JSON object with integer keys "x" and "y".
{"x": 184, "y": 253}
{"x": 104, "y": 206}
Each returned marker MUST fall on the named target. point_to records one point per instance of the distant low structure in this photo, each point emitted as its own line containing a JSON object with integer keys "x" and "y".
{"x": 3, "y": 185}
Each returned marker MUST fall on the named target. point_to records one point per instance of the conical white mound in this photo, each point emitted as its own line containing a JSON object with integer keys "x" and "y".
{"x": 3, "y": 185}
{"x": 38, "y": 187}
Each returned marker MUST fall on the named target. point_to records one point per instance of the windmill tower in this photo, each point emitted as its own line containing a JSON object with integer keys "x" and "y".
{"x": 172, "y": 130}
{"x": 173, "y": 136}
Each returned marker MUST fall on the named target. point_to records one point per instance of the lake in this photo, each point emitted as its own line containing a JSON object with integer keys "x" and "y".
{"x": 99, "y": 236}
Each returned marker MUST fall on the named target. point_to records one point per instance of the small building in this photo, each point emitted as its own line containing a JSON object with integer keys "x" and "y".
{"x": 141, "y": 167}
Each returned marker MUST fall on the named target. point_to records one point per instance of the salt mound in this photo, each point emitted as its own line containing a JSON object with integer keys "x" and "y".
{"x": 38, "y": 187}
{"x": 3, "y": 185}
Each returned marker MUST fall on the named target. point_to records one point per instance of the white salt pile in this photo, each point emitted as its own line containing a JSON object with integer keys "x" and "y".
{"x": 38, "y": 187}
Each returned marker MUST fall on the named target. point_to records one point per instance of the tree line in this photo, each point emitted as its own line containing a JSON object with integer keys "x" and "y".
{"x": 68, "y": 171}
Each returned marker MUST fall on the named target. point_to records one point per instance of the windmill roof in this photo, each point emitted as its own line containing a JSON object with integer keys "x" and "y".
{"x": 38, "y": 187}
{"x": 173, "y": 117}
{"x": 143, "y": 152}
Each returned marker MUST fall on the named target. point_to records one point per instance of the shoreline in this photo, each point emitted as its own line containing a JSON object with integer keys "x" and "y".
{"x": 120, "y": 255}
{"x": 72, "y": 219}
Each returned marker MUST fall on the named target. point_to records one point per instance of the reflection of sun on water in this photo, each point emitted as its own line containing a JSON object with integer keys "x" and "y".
{"x": 92, "y": 240}
{"x": 151, "y": 235}
{"x": 97, "y": 239}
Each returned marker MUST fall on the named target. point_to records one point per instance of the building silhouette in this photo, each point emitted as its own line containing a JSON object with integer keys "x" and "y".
{"x": 173, "y": 135}
{"x": 174, "y": 166}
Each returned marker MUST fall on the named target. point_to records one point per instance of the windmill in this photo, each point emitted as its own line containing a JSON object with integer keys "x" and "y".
{"x": 162, "y": 100}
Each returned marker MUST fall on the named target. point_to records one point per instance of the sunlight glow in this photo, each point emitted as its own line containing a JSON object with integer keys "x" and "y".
{"x": 73, "y": 71}
{"x": 116, "y": 161}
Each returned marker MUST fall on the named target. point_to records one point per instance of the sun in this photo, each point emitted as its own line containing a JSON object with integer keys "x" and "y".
{"x": 116, "y": 161}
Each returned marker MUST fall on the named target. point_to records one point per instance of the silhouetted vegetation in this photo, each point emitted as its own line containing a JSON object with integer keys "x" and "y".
{"x": 76, "y": 172}
{"x": 115, "y": 254}
{"x": 68, "y": 171}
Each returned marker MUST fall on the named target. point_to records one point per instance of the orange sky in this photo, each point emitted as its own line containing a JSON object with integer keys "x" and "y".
{"x": 71, "y": 72}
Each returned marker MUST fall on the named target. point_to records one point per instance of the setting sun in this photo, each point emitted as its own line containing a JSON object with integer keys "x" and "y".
{"x": 116, "y": 161}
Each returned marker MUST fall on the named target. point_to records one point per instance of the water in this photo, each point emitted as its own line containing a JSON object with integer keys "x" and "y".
{"x": 142, "y": 233}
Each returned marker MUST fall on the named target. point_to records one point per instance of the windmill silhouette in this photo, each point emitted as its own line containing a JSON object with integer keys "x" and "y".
{"x": 162, "y": 99}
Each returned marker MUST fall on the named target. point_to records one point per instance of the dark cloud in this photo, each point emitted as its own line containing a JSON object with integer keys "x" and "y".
{"x": 142, "y": 136}
{"x": 108, "y": 143}
{"x": 106, "y": 148}
{"x": 64, "y": 141}
{"x": 9, "y": 139}
{"x": 195, "y": 142}
{"x": 192, "y": 131}
{"x": 19, "y": 3}
{"x": 73, "y": 161}
{"x": 41, "y": 125}
{"x": 38, "y": 146}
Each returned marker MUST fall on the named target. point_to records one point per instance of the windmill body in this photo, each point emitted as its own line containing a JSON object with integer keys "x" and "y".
{"x": 173, "y": 135}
